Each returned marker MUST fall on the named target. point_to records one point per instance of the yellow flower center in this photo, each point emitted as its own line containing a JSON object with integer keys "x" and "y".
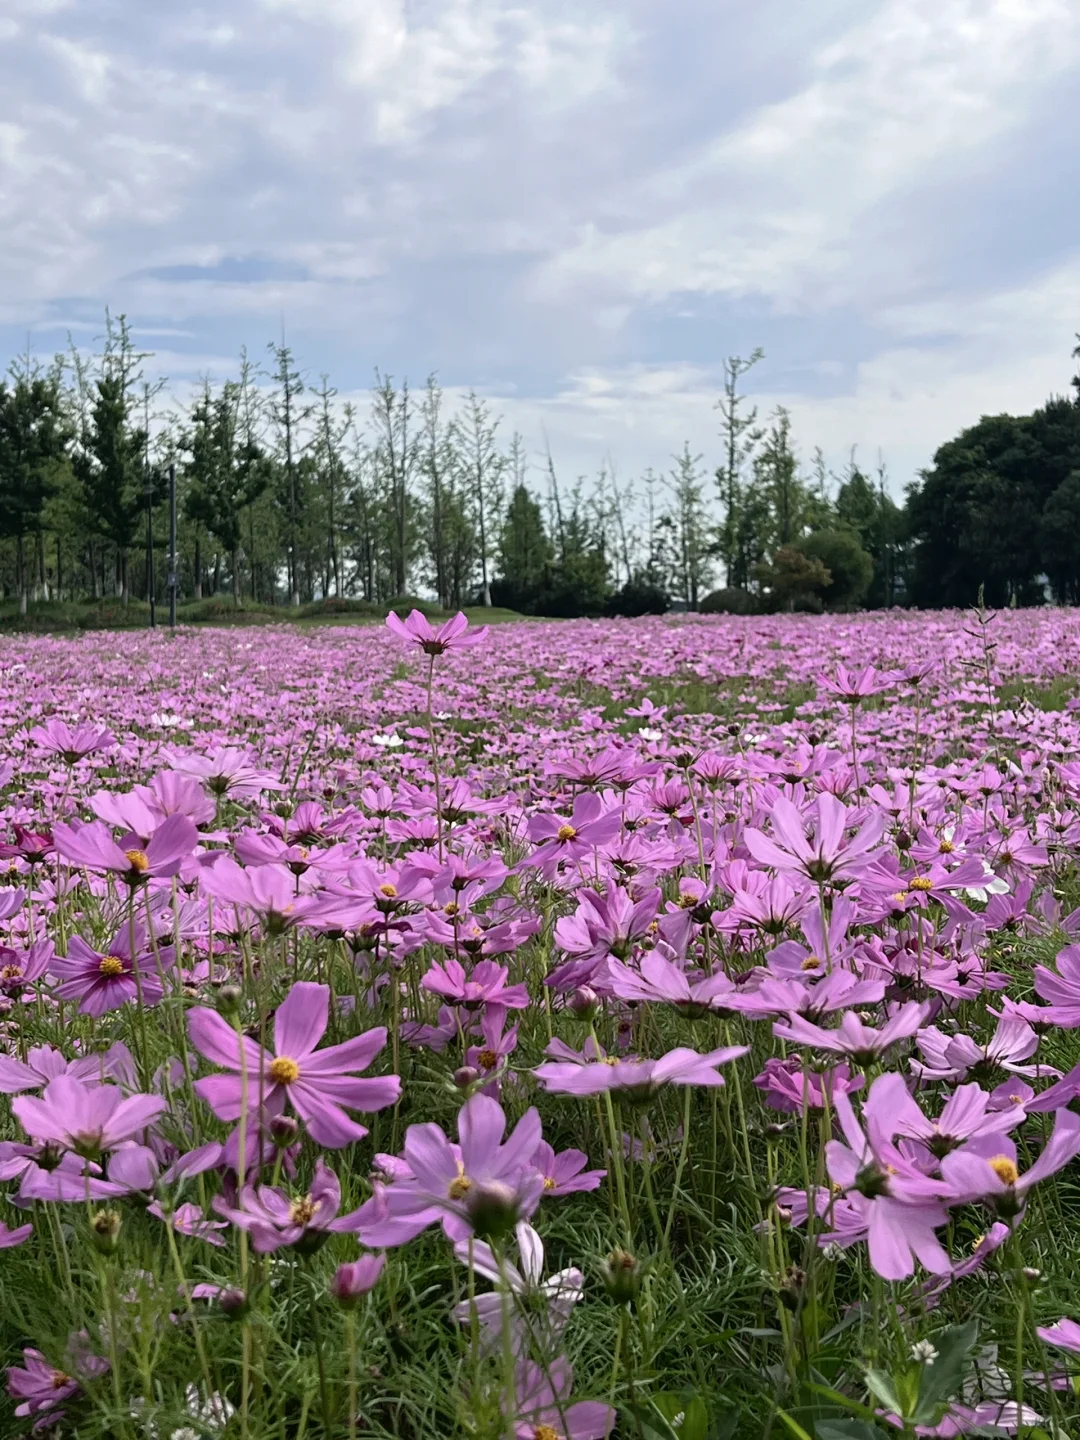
{"x": 549, "y": 1183}
{"x": 566, "y": 832}
{"x": 687, "y": 901}
{"x": 452, "y": 908}
{"x": 302, "y": 1212}
{"x": 284, "y": 1071}
{"x": 810, "y": 963}
{"x": 111, "y": 966}
{"x": 545, "y": 1432}
{"x": 977, "y": 1242}
{"x": 487, "y": 1059}
{"x": 11, "y": 972}
{"x": 59, "y": 1380}
{"x": 390, "y": 891}
{"x": 946, "y": 847}
{"x": 138, "y": 860}
{"x": 921, "y": 882}
{"x": 1004, "y": 1169}
{"x": 459, "y": 1187}
{"x": 900, "y": 896}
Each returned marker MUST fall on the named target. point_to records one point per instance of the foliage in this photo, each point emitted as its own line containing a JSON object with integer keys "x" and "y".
{"x": 850, "y": 569}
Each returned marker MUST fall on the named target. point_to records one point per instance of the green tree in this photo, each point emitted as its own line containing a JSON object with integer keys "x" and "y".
{"x": 849, "y": 566}
{"x": 34, "y": 438}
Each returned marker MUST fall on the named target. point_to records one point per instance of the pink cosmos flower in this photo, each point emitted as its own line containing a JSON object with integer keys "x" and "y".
{"x": 275, "y": 1221}
{"x": 453, "y": 634}
{"x": 30, "y": 845}
{"x": 93, "y": 847}
{"x": 1064, "y": 1334}
{"x": 558, "y": 840}
{"x": 638, "y": 1079}
{"x": 229, "y": 770}
{"x": 104, "y": 982}
{"x": 858, "y": 1041}
{"x": 83, "y": 1118}
{"x": 852, "y": 687}
{"x": 459, "y": 1185}
{"x": 190, "y": 1220}
{"x": 542, "y": 1408}
{"x": 658, "y": 981}
{"x": 70, "y": 744}
{"x": 484, "y": 985}
{"x": 351, "y": 1281}
{"x": 43, "y": 1063}
{"x": 9, "y": 1239}
{"x": 964, "y": 1116}
{"x": 993, "y": 1176}
{"x": 565, "y": 1174}
{"x": 551, "y": 1301}
{"x": 823, "y": 854}
{"x": 319, "y": 1084}
{"x": 20, "y": 968}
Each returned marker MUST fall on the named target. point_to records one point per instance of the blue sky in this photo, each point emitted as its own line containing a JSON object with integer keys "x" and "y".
{"x": 578, "y": 206}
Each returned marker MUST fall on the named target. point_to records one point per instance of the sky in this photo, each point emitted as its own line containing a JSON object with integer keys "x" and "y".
{"x": 578, "y": 207}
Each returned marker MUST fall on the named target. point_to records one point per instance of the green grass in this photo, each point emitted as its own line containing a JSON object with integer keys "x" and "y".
{"x": 59, "y": 617}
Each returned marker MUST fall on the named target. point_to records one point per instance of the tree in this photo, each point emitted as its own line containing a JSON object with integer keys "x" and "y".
{"x": 484, "y": 468}
{"x": 395, "y": 463}
{"x": 849, "y": 567}
{"x": 740, "y": 437}
{"x": 689, "y": 526}
{"x": 110, "y": 451}
{"x": 288, "y": 416}
{"x": 793, "y": 578}
{"x": 524, "y": 552}
{"x": 34, "y": 439}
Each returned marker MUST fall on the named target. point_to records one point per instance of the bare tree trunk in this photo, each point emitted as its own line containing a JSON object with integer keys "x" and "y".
{"x": 198, "y": 566}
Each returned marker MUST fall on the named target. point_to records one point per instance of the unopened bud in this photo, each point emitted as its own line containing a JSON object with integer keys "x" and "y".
{"x": 465, "y": 1076}
{"x": 622, "y": 1276}
{"x": 903, "y": 840}
{"x": 351, "y": 1282}
{"x": 284, "y": 1131}
{"x": 229, "y": 999}
{"x": 584, "y": 1002}
{"x": 493, "y": 1209}
{"x": 1030, "y": 1273}
{"x": 105, "y": 1230}
{"x": 792, "y": 1287}
{"x": 233, "y": 1302}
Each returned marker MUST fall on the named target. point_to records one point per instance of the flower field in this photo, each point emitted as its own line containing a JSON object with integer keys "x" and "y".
{"x": 663, "y": 1029}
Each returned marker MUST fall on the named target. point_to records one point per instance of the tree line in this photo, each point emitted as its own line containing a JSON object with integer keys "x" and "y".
{"x": 288, "y": 495}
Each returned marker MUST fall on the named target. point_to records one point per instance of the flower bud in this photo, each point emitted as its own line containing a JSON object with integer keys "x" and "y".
{"x": 351, "y": 1282}
{"x": 229, "y": 998}
{"x": 233, "y": 1302}
{"x": 105, "y": 1230}
{"x": 584, "y": 1002}
{"x": 791, "y": 1287}
{"x": 465, "y": 1076}
{"x": 284, "y": 1131}
{"x": 492, "y": 1208}
{"x": 621, "y": 1274}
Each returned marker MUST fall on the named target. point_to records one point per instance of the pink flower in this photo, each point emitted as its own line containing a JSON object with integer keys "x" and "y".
{"x": 542, "y": 1410}
{"x": 551, "y": 1302}
{"x": 638, "y": 1079}
{"x": 93, "y": 847}
{"x": 993, "y": 1175}
{"x": 485, "y": 985}
{"x": 852, "y": 687}
{"x": 72, "y": 744}
{"x": 86, "y": 1119}
{"x": 305, "y": 1223}
{"x": 104, "y": 982}
{"x": 859, "y": 1042}
{"x": 824, "y": 853}
{"x": 476, "y": 1186}
{"x": 318, "y": 1084}
{"x": 352, "y": 1281}
{"x": 453, "y": 634}
{"x": 1063, "y": 1334}
{"x": 560, "y": 840}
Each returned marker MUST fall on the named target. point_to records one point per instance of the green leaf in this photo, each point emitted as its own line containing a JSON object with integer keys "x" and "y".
{"x": 880, "y": 1385}
{"x": 942, "y": 1379}
{"x": 844, "y": 1401}
{"x": 694, "y": 1421}
{"x": 847, "y": 1430}
{"x": 793, "y": 1425}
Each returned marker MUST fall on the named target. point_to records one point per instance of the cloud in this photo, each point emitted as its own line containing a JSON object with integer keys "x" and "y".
{"x": 578, "y": 206}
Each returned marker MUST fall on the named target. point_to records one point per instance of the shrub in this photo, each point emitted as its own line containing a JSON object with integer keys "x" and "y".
{"x": 639, "y": 596}
{"x": 850, "y": 568}
{"x": 728, "y": 601}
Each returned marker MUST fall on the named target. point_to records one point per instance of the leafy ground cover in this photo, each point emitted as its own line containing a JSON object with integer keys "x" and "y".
{"x": 661, "y": 1029}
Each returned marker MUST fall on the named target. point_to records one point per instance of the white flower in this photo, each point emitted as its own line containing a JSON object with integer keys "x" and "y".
{"x": 647, "y": 734}
{"x": 832, "y": 1251}
{"x": 184, "y": 1433}
{"x": 393, "y": 741}
{"x": 924, "y": 1352}
{"x": 214, "y": 1413}
{"x": 991, "y": 885}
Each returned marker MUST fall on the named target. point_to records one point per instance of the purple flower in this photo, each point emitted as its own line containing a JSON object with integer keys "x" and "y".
{"x": 190, "y": 1220}
{"x": 823, "y": 855}
{"x": 41, "y": 1387}
{"x": 558, "y": 840}
{"x": 852, "y": 1037}
{"x": 304, "y": 1223}
{"x": 71, "y": 745}
{"x": 19, "y": 968}
{"x": 659, "y": 981}
{"x": 542, "y": 1410}
{"x": 459, "y": 1185}
{"x": 638, "y": 1080}
{"x": 555, "y": 1298}
{"x": 1063, "y": 1334}
{"x": 86, "y": 1119}
{"x": 565, "y": 1174}
{"x": 484, "y": 985}
{"x": 10, "y": 1238}
{"x": 453, "y": 634}
{"x": 104, "y": 982}
{"x": 319, "y": 1085}
{"x": 965, "y": 1115}
{"x": 993, "y": 1175}
{"x": 93, "y": 847}
{"x": 352, "y": 1281}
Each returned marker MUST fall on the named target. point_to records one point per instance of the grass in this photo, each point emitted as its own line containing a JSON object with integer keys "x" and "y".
{"x": 59, "y": 617}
